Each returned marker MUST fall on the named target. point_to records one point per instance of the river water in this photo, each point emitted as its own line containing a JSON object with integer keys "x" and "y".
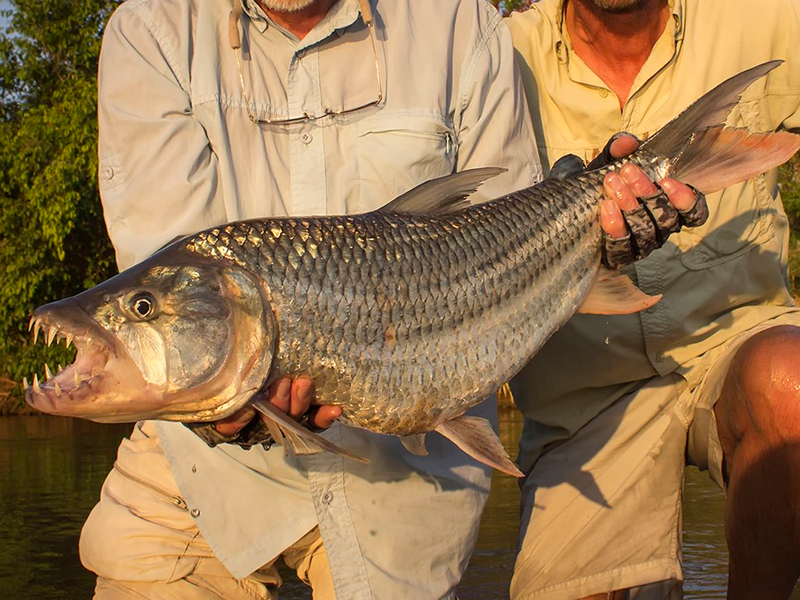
{"x": 51, "y": 471}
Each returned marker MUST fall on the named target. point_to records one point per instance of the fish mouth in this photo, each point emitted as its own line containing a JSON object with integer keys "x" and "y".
{"x": 74, "y": 390}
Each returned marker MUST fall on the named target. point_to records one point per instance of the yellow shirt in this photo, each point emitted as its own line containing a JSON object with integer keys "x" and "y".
{"x": 718, "y": 279}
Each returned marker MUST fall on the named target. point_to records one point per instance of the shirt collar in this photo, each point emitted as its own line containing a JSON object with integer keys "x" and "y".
{"x": 663, "y": 51}
{"x": 341, "y": 15}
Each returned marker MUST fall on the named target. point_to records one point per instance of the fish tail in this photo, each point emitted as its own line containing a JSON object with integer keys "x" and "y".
{"x": 704, "y": 153}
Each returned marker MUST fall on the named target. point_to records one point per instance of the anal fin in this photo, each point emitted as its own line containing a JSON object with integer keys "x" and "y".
{"x": 415, "y": 444}
{"x": 615, "y": 294}
{"x": 289, "y": 433}
{"x": 475, "y": 436}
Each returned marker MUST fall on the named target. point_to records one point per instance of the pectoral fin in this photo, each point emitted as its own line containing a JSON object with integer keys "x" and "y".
{"x": 475, "y": 436}
{"x": 415, "y": 444}
{"x": 290, "y": 434}
{"x": 614, "y": 294}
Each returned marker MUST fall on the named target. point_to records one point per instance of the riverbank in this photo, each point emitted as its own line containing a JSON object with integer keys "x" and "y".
{"x": 14, "y": 406}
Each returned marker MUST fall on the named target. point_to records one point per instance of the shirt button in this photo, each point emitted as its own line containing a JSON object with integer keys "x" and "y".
{"x": 306, "y": 138}
{"x": 195, "y": 512}
{"x": 108, "y": 173}
{"x": 604, "y": 93}
{"x": 327, "y": 498}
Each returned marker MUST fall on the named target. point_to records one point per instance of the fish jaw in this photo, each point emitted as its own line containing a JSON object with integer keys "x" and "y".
{"x": 199, "y": 355}
{"x": 87, "y": 387}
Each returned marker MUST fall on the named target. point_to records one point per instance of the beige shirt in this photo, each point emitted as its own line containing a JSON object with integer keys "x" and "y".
{"x": 718, "y": 279}
{"x": 178, "y": 154}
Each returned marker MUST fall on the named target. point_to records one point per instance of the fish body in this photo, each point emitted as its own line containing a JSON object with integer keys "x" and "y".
{"x": 405, "y": 321}
{"x": 405, "y": 317}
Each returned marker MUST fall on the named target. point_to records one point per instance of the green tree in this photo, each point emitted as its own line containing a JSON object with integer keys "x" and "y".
{"x": 508, "y": 6}
{"x": 53, "y": 241}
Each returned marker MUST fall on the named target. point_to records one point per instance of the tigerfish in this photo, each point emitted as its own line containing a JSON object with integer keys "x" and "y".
{"x": 405, "y": 316}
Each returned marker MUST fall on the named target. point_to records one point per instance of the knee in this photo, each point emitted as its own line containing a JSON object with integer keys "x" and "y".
{"x": 766, "y": 376}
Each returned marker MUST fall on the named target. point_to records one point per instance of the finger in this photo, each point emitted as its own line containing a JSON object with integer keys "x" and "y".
{"x": 280, "y": 394}
{"x": 623, "y": 144}
{"x": 566, "y": 167}
{"x": 680, "y": 195}
{"x": 611, "y": 219}
{"x": 617, "y": 190}
{"x": 636, "y": 180}
{"x": 236, "y": 422}
{"x": 324, "y": 416}
{"x": 302, "y": 391}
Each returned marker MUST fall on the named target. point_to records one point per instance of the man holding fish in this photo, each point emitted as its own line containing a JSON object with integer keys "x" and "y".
{"x": 616, "y": 405}
{"x": 216, "y": 111}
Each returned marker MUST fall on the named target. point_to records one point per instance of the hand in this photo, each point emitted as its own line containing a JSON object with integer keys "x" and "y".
{"x": 637, "y": 216}
{"x": 293, "y": 397}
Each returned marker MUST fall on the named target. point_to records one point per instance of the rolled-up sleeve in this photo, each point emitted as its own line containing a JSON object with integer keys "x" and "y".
{"x": 157, "y": 171}
{"x": 494, "y": 126}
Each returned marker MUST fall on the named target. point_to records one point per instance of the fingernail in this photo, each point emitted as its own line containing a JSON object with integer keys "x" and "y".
{"x": 668, "y": 185}
{"x": 607, "y": 207}
{"x": 613, "y": 183}
{"x": 638, "y": 181}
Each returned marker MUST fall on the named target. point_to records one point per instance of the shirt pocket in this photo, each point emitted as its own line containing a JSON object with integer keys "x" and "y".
{"x": 740, "y": 216}
{"x": 397, "y": 152}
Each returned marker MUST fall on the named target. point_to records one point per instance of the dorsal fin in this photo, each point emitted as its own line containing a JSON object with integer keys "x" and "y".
{"x": 443, "y": 195}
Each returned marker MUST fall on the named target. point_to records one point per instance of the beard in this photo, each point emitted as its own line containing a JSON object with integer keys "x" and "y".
{"x": 618, "y": 6}
{"x": 286, "y": 6}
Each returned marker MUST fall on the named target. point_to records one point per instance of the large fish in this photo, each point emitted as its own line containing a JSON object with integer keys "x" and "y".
{"x": 405, "y": 317}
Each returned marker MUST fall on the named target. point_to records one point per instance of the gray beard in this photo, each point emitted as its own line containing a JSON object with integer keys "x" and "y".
{"x": 286, "y": 6}
{"x": 618, "y": 6}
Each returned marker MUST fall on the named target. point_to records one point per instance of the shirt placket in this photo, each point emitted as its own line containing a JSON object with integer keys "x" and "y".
{"x": 326, "y": 478}
{"x": 308, "y": 179}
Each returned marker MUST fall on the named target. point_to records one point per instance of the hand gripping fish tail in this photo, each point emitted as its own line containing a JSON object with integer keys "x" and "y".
{"x": 404, "y": 317}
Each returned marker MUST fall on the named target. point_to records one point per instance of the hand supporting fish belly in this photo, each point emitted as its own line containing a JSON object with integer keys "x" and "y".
{"x": 404, "y": 317}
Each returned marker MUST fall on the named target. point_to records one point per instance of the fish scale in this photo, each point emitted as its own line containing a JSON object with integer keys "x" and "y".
{"x": 462, "y": 294}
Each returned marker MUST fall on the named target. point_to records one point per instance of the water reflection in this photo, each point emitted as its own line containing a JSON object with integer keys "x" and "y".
{"x": 51, "y": 471}
{"x": 50, "y": 475}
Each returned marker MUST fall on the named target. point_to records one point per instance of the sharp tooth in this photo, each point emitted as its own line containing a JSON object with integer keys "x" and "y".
{"x": 58, "y": 388}
{"x": 36, "y": 387}
{"x": 35, "y": 332}
{"x": 70, "y": 337}
{"x": 60, "y": 368}
{"x": 47, "y": 373}
{"x": 30, "y": 324}
{"x": 51, "y": 335}
{"x": 76, "y": 378}
{"x": 25, "y": 383}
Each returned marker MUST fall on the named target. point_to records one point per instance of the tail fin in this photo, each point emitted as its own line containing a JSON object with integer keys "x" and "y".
{"x": 708, "y": 155}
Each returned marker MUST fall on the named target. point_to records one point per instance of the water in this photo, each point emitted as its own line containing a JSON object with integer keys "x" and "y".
{"x": 51, "y": 471}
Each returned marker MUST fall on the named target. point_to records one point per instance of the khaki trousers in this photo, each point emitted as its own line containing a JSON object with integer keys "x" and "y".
{"x": 142, "y": 541}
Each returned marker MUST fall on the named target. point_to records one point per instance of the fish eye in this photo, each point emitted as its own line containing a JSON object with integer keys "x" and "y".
{"x": 143, "y": 305}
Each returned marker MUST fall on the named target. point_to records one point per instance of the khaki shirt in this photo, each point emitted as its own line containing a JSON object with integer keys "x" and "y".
{"x": 718, "y": 279}
{"x": 178, "y": 154}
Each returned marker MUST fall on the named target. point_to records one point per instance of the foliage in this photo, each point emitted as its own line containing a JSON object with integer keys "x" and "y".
{"x": 790, "y": 192}
{"x": 508, "y": 6}
{"x": 48, "y": 164}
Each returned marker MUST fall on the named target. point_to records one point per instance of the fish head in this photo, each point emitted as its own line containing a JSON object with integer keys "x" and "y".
{"x": 185, "y": 338}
